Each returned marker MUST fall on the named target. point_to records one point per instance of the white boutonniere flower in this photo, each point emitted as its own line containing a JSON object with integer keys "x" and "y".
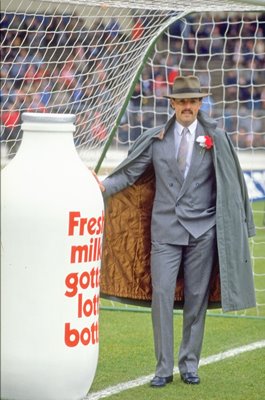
{"x": 205, "y": 141}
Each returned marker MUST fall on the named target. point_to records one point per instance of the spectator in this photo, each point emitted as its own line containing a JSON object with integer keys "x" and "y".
{"x": 98, "y": 128}
{"x": 137, "y": 29}
{"x": 217, "y": 43}
{"x": 113, "y": 28}
{"x": 10, "y": 131}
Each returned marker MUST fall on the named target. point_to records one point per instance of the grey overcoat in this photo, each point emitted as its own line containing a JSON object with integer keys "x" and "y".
{"x": 125, "y": 261}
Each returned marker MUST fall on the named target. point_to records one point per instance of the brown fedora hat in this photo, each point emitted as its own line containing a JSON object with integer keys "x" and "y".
{"x": 186, "y": 87}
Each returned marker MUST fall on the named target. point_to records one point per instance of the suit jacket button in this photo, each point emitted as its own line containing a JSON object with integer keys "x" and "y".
{"x": 171, "y": 184}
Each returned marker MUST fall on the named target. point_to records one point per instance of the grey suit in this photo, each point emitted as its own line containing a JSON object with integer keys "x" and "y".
{"x": 182, "y": 207}
{"x": 183, "y": 233}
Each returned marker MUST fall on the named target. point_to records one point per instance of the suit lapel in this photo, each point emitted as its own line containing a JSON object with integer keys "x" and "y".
{"x": 169, "y": 150}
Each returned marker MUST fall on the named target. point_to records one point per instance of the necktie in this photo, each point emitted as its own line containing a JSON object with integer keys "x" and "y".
{"x": 183, "y": 151}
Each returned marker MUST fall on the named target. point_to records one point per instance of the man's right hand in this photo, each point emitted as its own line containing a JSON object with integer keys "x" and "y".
{"x": 101, "y": 186}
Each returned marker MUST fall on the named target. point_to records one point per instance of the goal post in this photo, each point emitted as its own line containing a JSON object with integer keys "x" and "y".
{"x": 148, "y": 52}
{"x": 110, "y": 63}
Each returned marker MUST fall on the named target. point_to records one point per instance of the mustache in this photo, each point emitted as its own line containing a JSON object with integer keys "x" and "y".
{"x": 187, "y": 110}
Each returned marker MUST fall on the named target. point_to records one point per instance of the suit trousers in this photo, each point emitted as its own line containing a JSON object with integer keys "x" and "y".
{"x": 197, "y": 259}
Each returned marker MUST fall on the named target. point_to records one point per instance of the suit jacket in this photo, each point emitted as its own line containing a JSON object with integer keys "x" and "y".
{"x": 180, "y": 206}
{"x": 126, "y": 249}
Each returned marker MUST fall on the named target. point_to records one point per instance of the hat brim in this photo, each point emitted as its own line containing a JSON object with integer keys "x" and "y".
{"x": 187, "y": 95}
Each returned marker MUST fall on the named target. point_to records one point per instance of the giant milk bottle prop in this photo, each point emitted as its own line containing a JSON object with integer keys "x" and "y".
{"x": 51, "y": 233}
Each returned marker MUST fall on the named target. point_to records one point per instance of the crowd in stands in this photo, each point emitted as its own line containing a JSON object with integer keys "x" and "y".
{"x": 38, "y": 72}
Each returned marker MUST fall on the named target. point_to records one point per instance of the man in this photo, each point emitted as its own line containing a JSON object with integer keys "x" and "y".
{"x": 200, "y": 223}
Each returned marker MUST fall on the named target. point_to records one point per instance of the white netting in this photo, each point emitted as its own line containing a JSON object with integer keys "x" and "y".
{"x": 227, "y": 52}
{"x": 60, "y": 57}
{"x": 179, "y": 5}
{"x": 64, "y": 57}
{"x": 85, "y": 57}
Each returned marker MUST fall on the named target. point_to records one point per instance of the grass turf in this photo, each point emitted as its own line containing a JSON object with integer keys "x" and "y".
{"x": 126, "y": 353}
{"x": 126, "y": 346}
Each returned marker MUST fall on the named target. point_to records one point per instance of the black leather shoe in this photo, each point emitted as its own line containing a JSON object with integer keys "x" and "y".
{"x": 158, "y": 381}
{"x": 190, "y": 378}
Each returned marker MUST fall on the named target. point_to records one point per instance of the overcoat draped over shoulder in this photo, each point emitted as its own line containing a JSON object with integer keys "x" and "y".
{"x": 125, "y": 274}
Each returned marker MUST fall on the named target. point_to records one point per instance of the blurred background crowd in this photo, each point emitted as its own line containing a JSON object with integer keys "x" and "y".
{"x": 54, "y": 63}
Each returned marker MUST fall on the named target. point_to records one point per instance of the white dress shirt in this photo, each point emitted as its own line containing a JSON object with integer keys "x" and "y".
{"x": 190, "y": 138}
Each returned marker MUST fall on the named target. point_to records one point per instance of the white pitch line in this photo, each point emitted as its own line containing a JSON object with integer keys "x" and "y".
{"x": 145, "y": 379}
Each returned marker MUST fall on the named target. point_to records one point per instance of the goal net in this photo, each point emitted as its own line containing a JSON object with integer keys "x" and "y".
{"x": 111, "y": 62}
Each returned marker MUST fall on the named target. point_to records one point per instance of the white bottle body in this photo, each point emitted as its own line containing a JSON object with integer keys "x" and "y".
{"x": 51, "y": 205}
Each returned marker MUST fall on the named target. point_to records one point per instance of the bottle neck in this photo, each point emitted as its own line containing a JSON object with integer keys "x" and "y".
{"x": 47, "y": 142}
